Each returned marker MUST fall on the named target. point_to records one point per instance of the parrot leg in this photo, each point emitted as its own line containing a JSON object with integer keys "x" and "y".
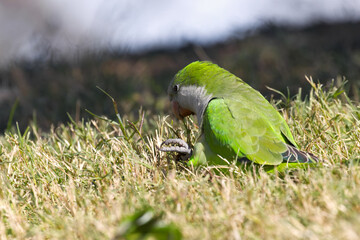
{"x": 178, "y": 146}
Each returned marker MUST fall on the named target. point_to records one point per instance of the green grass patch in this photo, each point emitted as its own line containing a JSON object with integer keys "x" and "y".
{"x": 85, "y": 180}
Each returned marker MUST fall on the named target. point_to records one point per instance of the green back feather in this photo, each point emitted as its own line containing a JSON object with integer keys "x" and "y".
{"x": 242, "y": 133}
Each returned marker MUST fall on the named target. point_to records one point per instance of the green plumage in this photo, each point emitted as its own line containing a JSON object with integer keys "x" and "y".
{"x": 238, "y": 122}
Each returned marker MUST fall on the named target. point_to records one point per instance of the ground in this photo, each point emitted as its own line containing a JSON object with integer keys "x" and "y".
{"x": 82, "y": 179}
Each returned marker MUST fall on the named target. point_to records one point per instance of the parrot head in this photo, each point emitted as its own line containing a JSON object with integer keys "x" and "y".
{"x": 194, "y": 86}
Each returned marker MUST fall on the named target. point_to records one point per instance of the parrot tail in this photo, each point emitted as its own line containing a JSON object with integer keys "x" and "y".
{"x": 294, "y": 155}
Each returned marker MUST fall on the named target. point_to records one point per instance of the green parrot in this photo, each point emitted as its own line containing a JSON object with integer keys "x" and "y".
{"x": 236, "y": 121}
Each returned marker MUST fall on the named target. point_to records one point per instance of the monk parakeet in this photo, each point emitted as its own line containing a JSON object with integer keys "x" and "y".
{"x": 236, "y": 121}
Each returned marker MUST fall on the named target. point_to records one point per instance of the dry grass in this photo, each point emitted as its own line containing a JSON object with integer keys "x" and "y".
{"x": 79, "y": 181}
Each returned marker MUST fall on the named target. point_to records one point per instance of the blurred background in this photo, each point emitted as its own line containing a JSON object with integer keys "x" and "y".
{"x": 54, "y": 53}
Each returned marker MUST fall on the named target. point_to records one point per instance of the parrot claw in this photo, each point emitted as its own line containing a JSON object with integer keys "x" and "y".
{"x": 178, "y": 146}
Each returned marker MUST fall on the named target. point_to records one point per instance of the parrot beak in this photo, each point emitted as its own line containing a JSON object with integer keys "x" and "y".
{"x": 180, "y": 112}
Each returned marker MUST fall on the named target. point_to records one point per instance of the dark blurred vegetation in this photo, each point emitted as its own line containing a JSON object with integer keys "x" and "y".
{"x": 275, "y": 57}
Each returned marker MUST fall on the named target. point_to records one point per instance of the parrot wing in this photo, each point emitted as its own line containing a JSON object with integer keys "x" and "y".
{"x": 241, "y": 128}
{"x": 239, "y": 94}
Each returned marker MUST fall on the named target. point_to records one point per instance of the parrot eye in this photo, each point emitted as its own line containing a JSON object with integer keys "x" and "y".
{"x": 176, "y": 88}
